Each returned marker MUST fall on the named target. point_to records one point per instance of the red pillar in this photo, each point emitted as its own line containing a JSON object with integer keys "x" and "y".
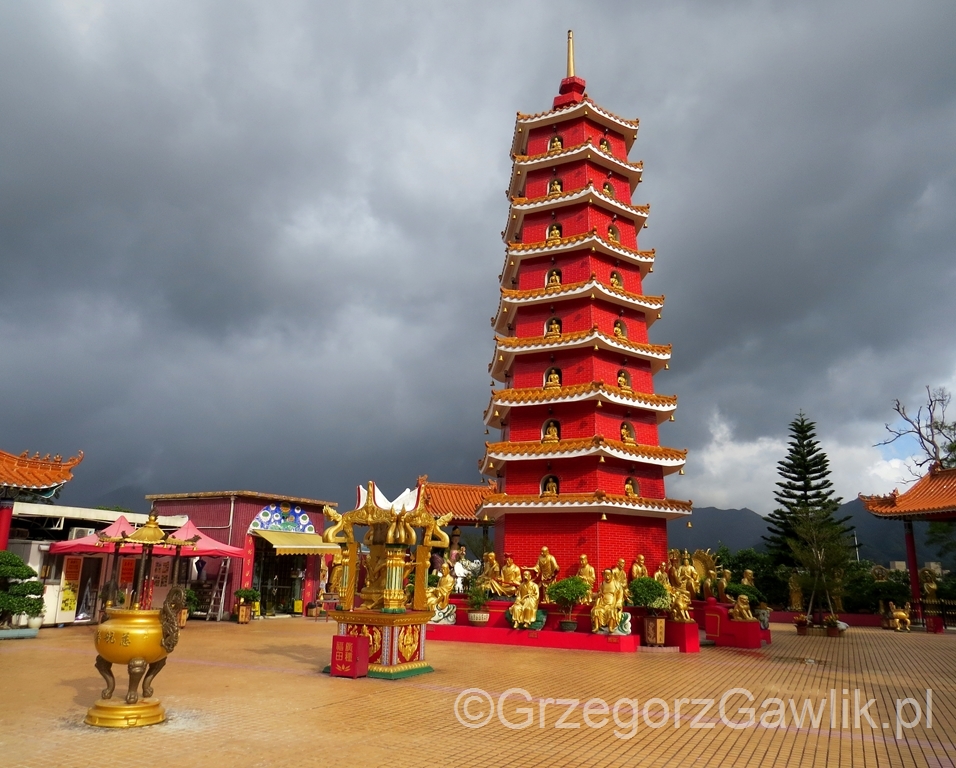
{"x": 308, "y": 583}
{"x": 6, "y": 519}
{"x": 911, "y": 563}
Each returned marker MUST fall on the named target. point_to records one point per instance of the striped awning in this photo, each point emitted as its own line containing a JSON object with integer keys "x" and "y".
{"x": 289, "y": 543}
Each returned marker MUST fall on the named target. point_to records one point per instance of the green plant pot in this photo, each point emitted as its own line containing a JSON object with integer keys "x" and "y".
{"x": 568, "y": 626}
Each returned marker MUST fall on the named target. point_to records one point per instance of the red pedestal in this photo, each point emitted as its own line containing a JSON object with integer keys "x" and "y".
{"x": 935, "y": 625}
{"x": 741, "y": 634}
{"x": 578, "y": 641}
{"x": 6, "y": 518}
{"x": 349, "y": 656}
{"x": 684, "y": 634}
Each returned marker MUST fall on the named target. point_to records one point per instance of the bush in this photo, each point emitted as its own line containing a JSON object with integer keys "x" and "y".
{"x": 649, "y": 593}
{"x": 477, "y": 597}
{"x": 249, "y": 595}
{"x": 946, "y": 587}
{"x": 19, "y": 592}
{"x": 771, "y": 579}
{"x": 567, "y": 593}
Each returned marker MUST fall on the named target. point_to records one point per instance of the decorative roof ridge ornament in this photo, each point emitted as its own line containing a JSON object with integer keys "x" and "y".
{"x": 570, "y": 53}
{"x": 572, "y": 86}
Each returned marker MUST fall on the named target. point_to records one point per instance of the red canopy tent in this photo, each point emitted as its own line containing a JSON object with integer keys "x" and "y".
{"x": 205, "y": 546}
{"x": 91, "y": 545}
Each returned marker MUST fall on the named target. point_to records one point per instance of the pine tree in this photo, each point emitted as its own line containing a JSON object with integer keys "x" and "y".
{"x": 805, "y": 485}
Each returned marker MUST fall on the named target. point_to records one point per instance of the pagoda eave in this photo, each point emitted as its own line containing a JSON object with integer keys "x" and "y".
{"x": 524, "y": 164}
{"x": 520, "y": 207}
{"x": 586, "y": 108}
{"x": 517, "y": 252}
{"x": 670, "y": 460}
{"x": 500, "y": 406}
{"x": 666, "y": 509}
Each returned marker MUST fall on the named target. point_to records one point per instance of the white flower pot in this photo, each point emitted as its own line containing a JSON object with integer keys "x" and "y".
{"x": 35, "y": 622}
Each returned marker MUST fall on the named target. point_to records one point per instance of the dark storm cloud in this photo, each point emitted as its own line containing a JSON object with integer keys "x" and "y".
{"x": 256, "y": 246}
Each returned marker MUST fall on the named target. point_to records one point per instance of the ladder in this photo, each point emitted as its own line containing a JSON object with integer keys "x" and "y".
{"x": 218, "y": 598}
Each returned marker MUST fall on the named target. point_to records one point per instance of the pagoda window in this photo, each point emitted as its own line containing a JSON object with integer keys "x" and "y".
{"x": 552, "y": 327}
{"x": 620, "y": 330}
{"x": 556, "y": 144}
{"x": 552, "y": 378}
{"x": 616, "y": 281}
{"x": 550, "y": 431}
{"x": 554, "y": 232}
{"x": 554, "y": 278}
{"x": 624, "y": 379}
{"x": 631, "y": 488}
{"x": 608, "y": 189}
{"x": 613, "y": 235}
{"x": 605, "y": 145}
{"x": 549, "y": 486}
{"x": 627, "y": 432}
{"x": 556, "y": 187}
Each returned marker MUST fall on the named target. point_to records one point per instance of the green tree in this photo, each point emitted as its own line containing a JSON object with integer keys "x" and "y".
{"x": 805, "y": 487}
{"x": 821, "y": 547}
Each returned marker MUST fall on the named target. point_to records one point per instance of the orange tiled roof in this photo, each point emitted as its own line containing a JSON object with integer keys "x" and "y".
{"x": 31, "y": 473}
{"x": 541, "y": 395}
{"x": 575, "y": 239}
{"x": 557, "y": 290}
{"x": 591, "y": 498}
{"x": 558, "y": 196}
{"x": 633, "y": 124}
{"x": 462, "y": 501}
{"x": 934, "y": 494}
{"x": 536, "y": 448}
{"x": 656, "y": 350}
{"x": 638, "y": 166}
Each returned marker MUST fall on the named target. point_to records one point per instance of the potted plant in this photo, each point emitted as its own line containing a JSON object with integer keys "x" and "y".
{"x": 801, "y": 622}
{"x": 20, "y": 592}
{"x": 568, "y": 594}
{"x": 832, "y": 622}
{"x": 246, "y": 598}
{"x": 477, "y": 600}
{"x": 192, "y": 604}
{"x": 651, "y": 595}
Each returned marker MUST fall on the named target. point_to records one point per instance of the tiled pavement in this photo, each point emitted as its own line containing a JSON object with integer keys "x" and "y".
{"x": 253, "y": 696}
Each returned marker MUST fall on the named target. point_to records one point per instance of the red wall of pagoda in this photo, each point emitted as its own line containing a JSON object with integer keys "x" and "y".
{"x": 577, "y": 267}
{"x": 576, "y": 220}
{"x": 583, "y": 474}
{"x": 573, "y": 132}
{"x": 580, "y": 367}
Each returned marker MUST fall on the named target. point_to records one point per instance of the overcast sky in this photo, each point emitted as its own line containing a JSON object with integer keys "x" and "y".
{"x": 255, "y": 245}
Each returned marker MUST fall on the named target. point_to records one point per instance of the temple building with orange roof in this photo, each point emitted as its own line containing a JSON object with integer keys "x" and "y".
{"x": 932, "y": 499}
{"x": 579, "y": 463}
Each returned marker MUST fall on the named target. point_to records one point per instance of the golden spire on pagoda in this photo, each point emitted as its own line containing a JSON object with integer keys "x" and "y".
{"x": 570, "y": 53}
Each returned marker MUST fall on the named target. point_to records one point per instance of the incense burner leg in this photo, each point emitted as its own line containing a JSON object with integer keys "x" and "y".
{"x": 154, "y": 669}
{"x": 105, "y": 668}
{"x": 137, "y": 668}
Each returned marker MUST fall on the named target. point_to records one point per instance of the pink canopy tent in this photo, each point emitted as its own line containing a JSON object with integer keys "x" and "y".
{"x": 91, "y": 545}
{"x": 205, "y": 546}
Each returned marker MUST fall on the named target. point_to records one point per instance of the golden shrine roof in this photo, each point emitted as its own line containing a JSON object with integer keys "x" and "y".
{"x": 934, "y": 494}
{"x": 534, "y": 395}
{"x": 34, "y": 473}
{"x": 462, "y": 501}
{"x": 535, "y": 448}
{"x": 638, "y": 166}
{"x": 598, "y": 496}
{"x": 659, "y": 351}
{"x": 558, "y": 290}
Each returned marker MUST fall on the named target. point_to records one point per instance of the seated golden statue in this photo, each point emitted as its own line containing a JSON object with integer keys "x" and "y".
{"x": 555, "y": 187}
{"x": 490, "y": 572}
{"x": 554, "y": 232}
{"x": 662, "y": 577}
{"x": 550, "y": 487}
{"x": 509, "y": 580}
{"x": 619, "y": 330}
{"x": 638, "y": 569}
{"x": 608, "y": 189}
{"x": 586, "y": 572}
{"x": 627, "y": 436}
{"x": 524, "y": 610}
{"x": 554, "y": 328}
{"x": 748, "y": 578}
{"x": 612, "y": 235}
{"x": 556, "y": 144}
{"x": 741, "y": 609}
{"x": 616, "y": 280}
{"x": 551, "y": 433}
{"x": 680, "y": 603}
{"x": 437, "y": 599}
{"x": 899, "y": 617}
{"x": 690, "y": 579}
{"x": 605, "y": 146}
{"x": 631, "y": 492}
{"x": 546, "y": 568}
{"x": 608, "y": 605}
{"x": 554, "y": 278}
{"x": 622, "y": 381}
{"x": 722, "y": 583}
{"x": 553, "y": 381}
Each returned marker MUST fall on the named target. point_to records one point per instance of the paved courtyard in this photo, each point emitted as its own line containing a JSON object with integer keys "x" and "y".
{"x": 253, "y": 695}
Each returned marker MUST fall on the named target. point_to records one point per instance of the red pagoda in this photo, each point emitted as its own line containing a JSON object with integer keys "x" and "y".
{"x": 580, "y": 468}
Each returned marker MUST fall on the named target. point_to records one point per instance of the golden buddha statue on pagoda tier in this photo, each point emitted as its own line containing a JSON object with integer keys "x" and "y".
{"x": 612, "y": 235}
{"x": 627, "y": 434}
{"x": 553, "y": 381}
{"x": 509, "y": 579}
{"x": 619, "y": 330}
{"x": 555, "y": 187}
{"x": 554, "y": 327}
{"x": 631, "y": 492}
{"x": 550, "y": 487}
{"x": 547, "y": 567}
{"x": 586, "y": 572}
{"x": 638, "y": 569}
{"x": 608, "y": 189}
{"x": 556, "y": 144}
{"x": 662, "y": 578}
{"x": 622, "y": 381}
{"x": 608, "y": 605}
{"x": 551, "y": 433}
{"x": 554, "y": 278}
{"x": 524, "y": 610}
{"x": 554, "y": 232}
{"x": 616, "y": 280}
{"x": 605, "y": 146}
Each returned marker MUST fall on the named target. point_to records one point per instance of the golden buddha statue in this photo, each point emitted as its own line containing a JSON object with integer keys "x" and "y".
{"x": 708, "y": 585}
{"x": 509, "y": 579}
{"x": 616, "y": 280}
{"x": 627, "y": 436}
{"x": 631, "y": 492}
{"x": 741, "y": 609}
{"x": 553, "y": 381}
{"x": 608, "y": 605}
{"x": 524, "y": 610}
{"x": 612, "y": 235}
{"x": 556, "y": 144}
{"x": 547, "y": 567}
{"x": 622, "y": 381}
{"x": 748, "y": 578}
{"x": 722, "y": 583}
{"x": 619, "y": 330}
{"x": 555, "y": 187}
{"x": 605, "y": 146}
{"x": 554, "y": 278}
{"x": 690, "y": 579}
{"x": 551, "y": 433}
{"x": 608, "y": 189}
{"x": 638, "y": 569}
{"x": 680, "y": 603}
{"x": 586, "y": 572}
{"x": 550, "y": 487}
{"x": 437, "y": 599}
{"x": 662, "y": 578}
{"x": 796, "y": 593}
{"x": 619, "y": 572}
{"x": 673, "y": 568}
{"x": 554, "y": 232}
{"x": 554, "y": 327}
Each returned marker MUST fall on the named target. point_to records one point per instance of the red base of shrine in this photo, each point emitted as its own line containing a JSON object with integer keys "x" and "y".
{"x": 528, "y": 638}
{"x": 719, "y": 627}
{"x": 684, "y": 634}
